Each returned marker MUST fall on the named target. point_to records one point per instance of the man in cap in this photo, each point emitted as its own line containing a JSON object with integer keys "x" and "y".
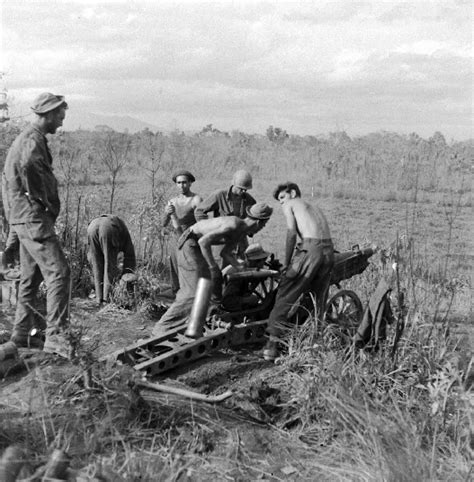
{"x": 107, "y": 236}
{"x": 308, "y": 264}
{"x": 180, "y": 212}
{"x": 195, "y": 258}
{"x": 32, "y": 191}
{"x": 233, "y": 201}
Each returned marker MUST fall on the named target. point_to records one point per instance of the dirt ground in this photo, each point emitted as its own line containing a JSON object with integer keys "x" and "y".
{"x": 244, "y": 438}
{"x": 108, "y": 329}
{"x": 244, "y": 422}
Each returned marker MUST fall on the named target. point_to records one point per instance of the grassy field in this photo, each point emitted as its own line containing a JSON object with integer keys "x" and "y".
{"x": 323, "y": 412}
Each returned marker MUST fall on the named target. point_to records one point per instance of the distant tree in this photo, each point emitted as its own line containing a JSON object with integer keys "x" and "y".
{"x": 210, "y": 131}
{"x": 103, "y": 128}
{"x": 438, "y": 139}
{"x": 67, "y": 153}
{"x": 276, "y": 134}
{"x": 8, "y": 132}
{"x": 151, "y": 150}
{"x": 113, "y": 149}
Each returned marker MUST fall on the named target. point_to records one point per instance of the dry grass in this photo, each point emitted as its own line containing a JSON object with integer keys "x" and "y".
{"x": 323, "y": 412}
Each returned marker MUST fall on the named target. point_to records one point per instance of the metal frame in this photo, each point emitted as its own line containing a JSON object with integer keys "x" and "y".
{"x": 159, "y": 354}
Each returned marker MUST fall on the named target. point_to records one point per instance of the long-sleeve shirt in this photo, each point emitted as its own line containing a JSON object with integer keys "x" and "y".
{"x": 224, "y": 203}
{"x": 31, "y": 187}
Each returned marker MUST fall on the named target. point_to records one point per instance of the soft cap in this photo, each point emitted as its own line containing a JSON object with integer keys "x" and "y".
{"x": 259, "y": 211}
{"x": 183, "y": 172}
{"x": 47, "y": 102}
{"x": 255, "y": 251}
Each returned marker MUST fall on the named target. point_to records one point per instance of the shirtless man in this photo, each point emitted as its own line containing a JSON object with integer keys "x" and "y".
{"x": 195, "y": 258}
{"x": 180, "y": 211}
{"x": 308, "y": 264}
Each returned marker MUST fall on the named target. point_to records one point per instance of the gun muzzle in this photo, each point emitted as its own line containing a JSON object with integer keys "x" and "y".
{"x": 199, "y": 310}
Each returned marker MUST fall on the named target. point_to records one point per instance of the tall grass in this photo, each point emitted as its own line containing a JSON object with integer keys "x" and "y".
{"x": 325, "y": 411}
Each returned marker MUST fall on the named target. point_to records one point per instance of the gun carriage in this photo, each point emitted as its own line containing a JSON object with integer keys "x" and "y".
{"x": 223, "y": 328}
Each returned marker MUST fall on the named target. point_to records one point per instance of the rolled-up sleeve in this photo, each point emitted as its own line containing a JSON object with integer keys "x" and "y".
{"x": 206, "y": 206}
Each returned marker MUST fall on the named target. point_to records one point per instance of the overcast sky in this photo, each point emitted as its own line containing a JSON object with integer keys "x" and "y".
{"x": 310, "y": 67}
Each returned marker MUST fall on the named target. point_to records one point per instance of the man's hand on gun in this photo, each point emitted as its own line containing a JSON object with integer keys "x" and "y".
{"x": 275, "y": 264}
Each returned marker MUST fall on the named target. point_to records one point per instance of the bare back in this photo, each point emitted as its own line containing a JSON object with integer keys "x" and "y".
{"x": 307, "y": 220}
{"x": 226, "y": 230}
{"x": 221, "y": 230}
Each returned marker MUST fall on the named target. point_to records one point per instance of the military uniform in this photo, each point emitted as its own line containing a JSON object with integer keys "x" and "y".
{"x": 107, "y": 236}
{"x": 224, "y": 203}
{"x": 11, "y": 253}
{"x": 32, "y": 191}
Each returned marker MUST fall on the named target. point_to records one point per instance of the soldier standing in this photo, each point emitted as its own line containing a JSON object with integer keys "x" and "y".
{"x": 308, "y": 264}
{"x": 232, "y": 201}
{"x": 32, "y": 191}
{"x": 229, "y": 202}
{"x": 180, "y": 212}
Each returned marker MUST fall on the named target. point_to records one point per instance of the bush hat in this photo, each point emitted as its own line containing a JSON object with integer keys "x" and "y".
{"x": 242, "y": 179}
{"x": 47, "y": 102}
{"x": 183, "y": 172}
{"x": 259, "y": 211}
{"x": 255, "y": 251}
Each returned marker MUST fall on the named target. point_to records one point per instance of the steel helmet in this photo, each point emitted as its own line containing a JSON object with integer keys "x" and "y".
{"x": 242, "y": 179}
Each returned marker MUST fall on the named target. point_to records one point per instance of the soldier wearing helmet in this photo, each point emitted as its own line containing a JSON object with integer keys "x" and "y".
{"x": 229, "y": 202}
{"x": 196, "y": 260}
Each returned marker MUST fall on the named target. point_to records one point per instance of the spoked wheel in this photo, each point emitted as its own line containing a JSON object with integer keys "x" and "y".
{"x": 344, "y": 309}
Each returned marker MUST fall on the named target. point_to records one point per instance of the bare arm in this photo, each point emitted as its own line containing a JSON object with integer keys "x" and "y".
{"x": 206, "y": 242}
{"x": 197, "y": 200}
{"x": 170, "y": 215}
{"x": 290, "y": 234}
{"x": 228, "y": 255}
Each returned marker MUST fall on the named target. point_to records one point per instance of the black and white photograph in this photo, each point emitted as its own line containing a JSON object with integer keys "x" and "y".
{"x": 236, "y": 240}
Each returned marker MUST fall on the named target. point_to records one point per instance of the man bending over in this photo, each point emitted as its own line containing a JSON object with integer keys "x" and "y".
{"x": 195, "y": 259}
{"x": 107, "y": 236}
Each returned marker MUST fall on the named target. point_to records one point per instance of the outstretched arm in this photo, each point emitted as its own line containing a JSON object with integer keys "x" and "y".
{"x": 215, "y": 237}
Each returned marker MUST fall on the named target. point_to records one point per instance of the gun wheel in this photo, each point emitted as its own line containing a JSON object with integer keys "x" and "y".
{"x": 344, "y": 309}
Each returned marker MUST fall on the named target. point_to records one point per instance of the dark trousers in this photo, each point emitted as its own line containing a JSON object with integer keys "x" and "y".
{"x": 12, "y": 249}
{"x": 173, "y": 264}
{"x": 310, "y": 270}
{"x": 191, "y": 267}
{"x": 102, "y": 254}
{"x": 41, "y": 258}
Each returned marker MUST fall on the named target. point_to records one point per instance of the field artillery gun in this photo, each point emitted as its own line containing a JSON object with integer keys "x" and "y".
{"x": 222, "y": 329}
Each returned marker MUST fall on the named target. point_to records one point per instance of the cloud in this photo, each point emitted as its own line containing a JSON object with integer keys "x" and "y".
{"x": 247, "y": 60}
